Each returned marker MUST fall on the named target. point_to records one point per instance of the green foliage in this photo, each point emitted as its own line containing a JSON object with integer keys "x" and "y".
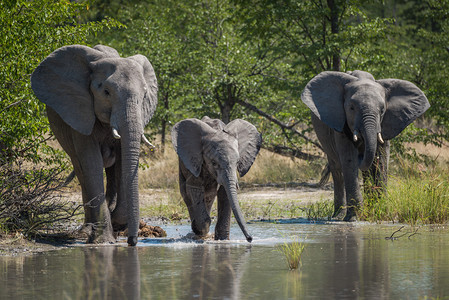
{"x": 30, "y": 31}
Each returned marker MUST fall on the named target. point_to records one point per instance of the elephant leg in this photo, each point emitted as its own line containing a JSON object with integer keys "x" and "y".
{"x": 210, "y": 195}
{"x": 223, "y": 226}
{"x": 327, "y": 138}
{"x": 339, "y": 190}
{"x": 193, "y": 193}
{"x": 199, "y": 217}
{"x": 349, "y": 162}
{"x": 375, "y": 179}
{"x": 111, "y": 188}
{"x": 88, "y": 166}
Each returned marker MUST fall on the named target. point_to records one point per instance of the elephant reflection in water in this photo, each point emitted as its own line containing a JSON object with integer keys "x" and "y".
{"x": 214, "y": 272}
{"x": 347, "y": 266}
{"x": 111, "y": 273}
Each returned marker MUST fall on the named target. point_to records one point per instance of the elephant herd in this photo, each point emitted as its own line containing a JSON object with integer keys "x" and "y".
{"x": 98, "y": 104}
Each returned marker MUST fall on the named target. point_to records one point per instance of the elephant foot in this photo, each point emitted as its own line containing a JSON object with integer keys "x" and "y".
{"x": 205, "y": 237}
{"x": 101, "y": 239}
{"x": 86, "y": 229}
{"x": 101, "y": 236}
{"x": 221, "y": 237}
{"x": 119, "y": 227}
{"x": 351, "y": 216}
{"x": 132, "y": 240}
{"x": 339, "y": 214}
{"x": 201, "y": 228}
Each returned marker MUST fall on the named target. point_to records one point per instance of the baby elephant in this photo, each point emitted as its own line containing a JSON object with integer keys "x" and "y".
{"x": 210, "y": 154}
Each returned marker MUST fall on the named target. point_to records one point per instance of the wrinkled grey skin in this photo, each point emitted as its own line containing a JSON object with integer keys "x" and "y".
{"x": 349, "y": 110}
{"x": 88, "y": 92}
{"x": 210, "y": 155}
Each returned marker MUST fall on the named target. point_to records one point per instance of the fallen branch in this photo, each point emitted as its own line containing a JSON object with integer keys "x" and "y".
{"x": 291, "y": 152}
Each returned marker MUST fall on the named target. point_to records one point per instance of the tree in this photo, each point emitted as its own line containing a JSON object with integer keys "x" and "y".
{"x": 30, "y": 31}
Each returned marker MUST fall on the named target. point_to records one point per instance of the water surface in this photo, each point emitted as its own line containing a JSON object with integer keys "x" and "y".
{"x": 340, "y": 261}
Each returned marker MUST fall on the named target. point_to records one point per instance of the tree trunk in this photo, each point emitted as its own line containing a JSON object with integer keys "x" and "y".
{"x": 164, "y": 122}
{"x": 335, "y": 30}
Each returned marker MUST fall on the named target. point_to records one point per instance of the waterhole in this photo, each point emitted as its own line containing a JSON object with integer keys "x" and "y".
{"x": 340, "y": 261}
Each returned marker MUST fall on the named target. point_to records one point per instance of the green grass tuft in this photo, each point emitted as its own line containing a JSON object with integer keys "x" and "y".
{"x": 321, "y": 210}
{"x": 292, "y": 252}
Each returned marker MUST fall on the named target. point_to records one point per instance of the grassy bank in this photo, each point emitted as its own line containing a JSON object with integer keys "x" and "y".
{"x": 416, "y": 195}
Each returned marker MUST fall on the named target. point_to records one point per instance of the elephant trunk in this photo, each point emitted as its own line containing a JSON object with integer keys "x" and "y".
{"x": 131, "y": 132}
{"x": 230, "y": 186}
{"x": 370, "y": 136}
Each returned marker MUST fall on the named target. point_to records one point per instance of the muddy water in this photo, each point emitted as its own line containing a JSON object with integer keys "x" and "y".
{"x": 340, "y": 261}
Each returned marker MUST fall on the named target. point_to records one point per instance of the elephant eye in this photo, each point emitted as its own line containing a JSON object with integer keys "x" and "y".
{"x": 214, "y": 163}
{"x": 106, "y": 92}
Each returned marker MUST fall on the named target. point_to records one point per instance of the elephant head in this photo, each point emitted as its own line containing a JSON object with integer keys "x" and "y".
{"x": 366, "y": 109}
{"x": 223, "y": 150}
{"x": 85, "y": 85}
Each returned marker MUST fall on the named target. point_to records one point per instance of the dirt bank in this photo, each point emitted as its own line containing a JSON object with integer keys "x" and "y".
{"x": 256, "y": 201}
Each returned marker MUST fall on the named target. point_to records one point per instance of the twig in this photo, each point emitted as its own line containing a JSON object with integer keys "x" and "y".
{"x": 391, "y": 237}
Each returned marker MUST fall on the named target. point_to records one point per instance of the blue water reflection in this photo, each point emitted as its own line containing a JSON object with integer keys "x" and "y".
{"x": 341, "y": 261}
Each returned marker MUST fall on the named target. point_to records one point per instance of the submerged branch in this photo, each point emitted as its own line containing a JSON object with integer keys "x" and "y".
{"x": 392, "y": 237}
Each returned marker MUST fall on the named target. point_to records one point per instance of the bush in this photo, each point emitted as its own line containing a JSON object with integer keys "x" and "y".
{"x": 29, "y": 201}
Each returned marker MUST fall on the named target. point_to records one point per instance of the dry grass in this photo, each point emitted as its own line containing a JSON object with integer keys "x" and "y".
{"x": 274, "y": 168}
{"x": 160, "y": 170}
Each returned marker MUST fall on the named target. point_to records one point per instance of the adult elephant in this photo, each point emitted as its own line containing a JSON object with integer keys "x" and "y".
{"x": 98, "y": 104}
{"x": 354, "y": 117}
{"x": 210, "y": 154}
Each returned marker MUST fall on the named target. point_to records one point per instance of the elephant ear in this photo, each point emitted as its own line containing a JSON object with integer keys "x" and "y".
{"x": 405, "y": 103}
{"x": 150, "y": 100}
{"x": 249, "y": 140}
{"x": 187, "y": 138}
{"x": 214, "y": 123}
{"x": 324, "y": 95}
{"x": 62, "y": 81}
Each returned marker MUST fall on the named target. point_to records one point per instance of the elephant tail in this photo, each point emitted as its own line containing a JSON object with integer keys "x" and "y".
{"x": 69, "y": 179}
{"x": 325, "y": 175}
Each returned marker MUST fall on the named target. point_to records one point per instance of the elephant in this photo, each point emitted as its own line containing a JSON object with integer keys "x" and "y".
{"x": 210, "y": 154}
{"x": 97, "y": 104}
{"x": 355, "y": 117}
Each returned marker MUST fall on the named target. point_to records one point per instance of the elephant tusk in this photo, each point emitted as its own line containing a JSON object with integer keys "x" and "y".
{"x": 115, "y": 134}
{"x": 379, "y": 138}
{"x": 146, "y": 141}
{"x": 355, "y": 138}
